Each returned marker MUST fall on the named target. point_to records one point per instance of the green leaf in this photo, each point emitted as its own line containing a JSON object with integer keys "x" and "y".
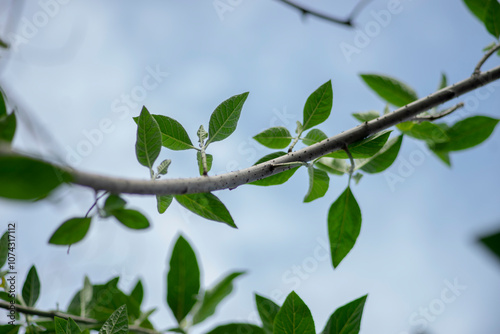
{"x": 3, "y": 104}
{"x": 206, "y": 205}
{"x": 224, "y": 119}
{"x": 173, "y": 135}
{"x": 277, "y": 137}
{"x": 332, "y": 165}
{"x": 117, "y": 322}
{"x": 318, "y": 184}
{"x": 267, "y": 311}
{"x": 113, "y": 202}
{"x": 214, "y": 296}
{"x": 61, "y": 325}
{"x": 163, "y": 202}
{"x": 131, "y": 218}
{"x": 477, "y": 7}
{"x": 71, "y": 231}
{"x": 85, "y": 295}
{"x": 444, "y": 81}
{"x": 294, "y": 317}
{"x": 444, "y": 156}
{"x": 314, "y": 136}
{"x": 137, "y": 293}
{"x": 31, "y": 288}
{"x": 357, "y": 177}
{"x": 8, "y": 126}
{"x": 346, "y": 319}
{"x": 318, "y": 106}
{"x": 4, "y": 248}
{"x": 366, "y": 116}
{"x": 383, "y": 158}
{"x": 493, "y": 243}
{"x": 9, "y": 329}
{"x": 163, "y": 166}
{"x": 344, "y": 225}
{"x": 430, "y": 132}
{"x": 275, "y": 179}
{"x": 149, "y": 140}
{"x": 202, "y": 135}
{"x": 210, "y": 160}
{"x": 391, "y": 90}
{"x": 28, "y": 179}
{"x": 467, "y": 133}
{"x": 492, "y": 18}
{"x": 72, "y": 327}
{"x": 237, "y": 328}
{"x": 183, "y": 279}
{"x": 365, "y": 148}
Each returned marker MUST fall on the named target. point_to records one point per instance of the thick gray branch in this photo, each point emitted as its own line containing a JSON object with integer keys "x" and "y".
{"x": 234, "y": 179}
{"x": 52, "y": 314}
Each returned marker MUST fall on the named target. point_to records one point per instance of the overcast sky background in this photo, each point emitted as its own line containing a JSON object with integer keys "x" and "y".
{"x": 70, "y": 73}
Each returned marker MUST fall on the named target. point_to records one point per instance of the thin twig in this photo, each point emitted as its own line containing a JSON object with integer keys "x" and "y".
{"x": 265, "y": 169}
{"x": 437, "y": 116}
{"x": 326, "y": 17}
{"x": 487, "y": 55}
{"x": 357, "y": 9}
{"x": 52, "y": 314}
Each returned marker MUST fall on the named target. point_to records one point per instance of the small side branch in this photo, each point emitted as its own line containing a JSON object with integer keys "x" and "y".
{"x": 306, "y": 11}
{"x": 487, "y": 55}
{"x": 81, "y": 320}
{"x": 431, "y": 118}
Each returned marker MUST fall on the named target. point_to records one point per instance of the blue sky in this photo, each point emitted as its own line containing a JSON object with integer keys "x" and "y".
{"x": 69, "y": 79}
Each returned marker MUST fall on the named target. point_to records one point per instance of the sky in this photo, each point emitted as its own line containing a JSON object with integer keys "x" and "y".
{"x": 417, "y": 256}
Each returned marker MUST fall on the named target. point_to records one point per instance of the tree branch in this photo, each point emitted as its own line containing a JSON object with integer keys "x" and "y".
{"x": 234, "y": 179}
{"x": 437, "y": 116}
{"x": 82, "y": 320}
{"x": 346, "y": 22}
{"x": 487, "y": 55}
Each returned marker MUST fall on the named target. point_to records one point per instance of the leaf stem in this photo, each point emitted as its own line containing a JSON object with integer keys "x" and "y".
{"x": 477, "y": 69}
{"x": 353, "y": 164}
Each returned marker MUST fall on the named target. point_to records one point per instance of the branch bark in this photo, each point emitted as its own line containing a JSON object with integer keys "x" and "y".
{"x": 234, "y": 179}
{"x": 52, "y": 314}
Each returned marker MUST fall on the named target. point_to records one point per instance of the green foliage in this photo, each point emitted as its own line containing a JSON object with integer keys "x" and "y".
{"x": 163, "y": 167}
{"x": 71, "y": 231}
{"x": 63, "y": 326}
{"x": 117, "y": 322}
{"x": 8, "y": 124}
{"x": 277, "y": 137}
{"x": 214, "y": 296}
{"x": 346, "y": 319}
{"x": 210, "y": 160}
{"x": 267, "y": 312}
{"x": 294, "y": 317}
{"x": 318, "y": 184}
{"x": 237, "y": 328}
{"x": 115, "y": 206}
{"x": 488, "y": 12}
{"x": 427, "y": 131}
{"x": 467, "y": 133}
{"x": 391, "y": 90}
{"x": 314, "y": 136}
{"x": 206, "y": 205}
{"x": 4, "y": 248}
{"x": 224, "y": 119}
{"x": 173, "y": 134}
{"x": 318, "y": 106}
{"x": 163, "y": 202}
{"x": 183, "y": 280}
{"x": 344, "y": 225}
{"x": 383, "y": 159}
{"x": 24, "y": 178}
{"x": 492, "y": 242}
{"x": 365, "y": 148}
{"x": 275, "y": 179}
{"x": 31, "y": 287}
{"x": 366, "y": 116}
{"x": 149, "y": 140}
